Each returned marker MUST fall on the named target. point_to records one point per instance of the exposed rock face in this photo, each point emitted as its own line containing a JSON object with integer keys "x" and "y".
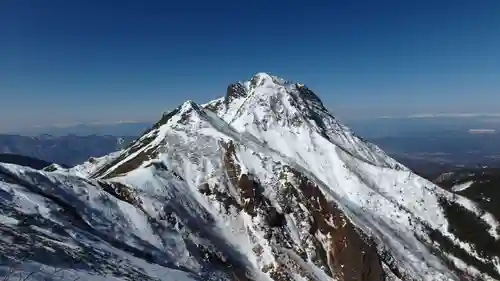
{"x": 234, "y": 91}
{"x": 351, "y": 254}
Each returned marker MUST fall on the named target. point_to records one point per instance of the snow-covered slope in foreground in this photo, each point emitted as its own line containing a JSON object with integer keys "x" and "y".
{"x": 262, "y": 184}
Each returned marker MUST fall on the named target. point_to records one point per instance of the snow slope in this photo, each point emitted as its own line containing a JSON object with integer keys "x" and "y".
{"x": 262, "y": 184}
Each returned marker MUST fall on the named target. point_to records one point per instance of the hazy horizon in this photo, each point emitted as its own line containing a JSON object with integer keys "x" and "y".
{"x": 69, "y": 62}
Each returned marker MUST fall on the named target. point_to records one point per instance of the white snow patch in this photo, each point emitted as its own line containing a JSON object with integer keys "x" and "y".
{"x": 462, "y": 186}
{"x": 8, "y": 220}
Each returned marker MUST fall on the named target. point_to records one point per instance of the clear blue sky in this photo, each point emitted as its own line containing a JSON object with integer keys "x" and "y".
{"x": 103, "y": 61}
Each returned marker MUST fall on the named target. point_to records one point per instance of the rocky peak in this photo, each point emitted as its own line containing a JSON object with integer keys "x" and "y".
{"x": 264, "y": 79}
{"x": 308, "y": 95}
{"x": 268, "y": 103}
{"x": 234, "y": 91}
{"x": 265, "y": 103}
{"x": 272, "y": 94}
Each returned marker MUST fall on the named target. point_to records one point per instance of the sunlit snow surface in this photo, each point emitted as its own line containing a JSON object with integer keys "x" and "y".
{"x": 90, "y": 233}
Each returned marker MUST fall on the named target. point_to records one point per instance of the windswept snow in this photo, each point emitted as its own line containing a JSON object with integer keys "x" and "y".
{"x": 90, "y": 166}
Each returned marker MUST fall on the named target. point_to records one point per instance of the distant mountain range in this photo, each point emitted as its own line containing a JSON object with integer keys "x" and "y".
{"x": 113, "y": 129}
{"x": 23, "y": 161}
{"x": 66, "y": 150}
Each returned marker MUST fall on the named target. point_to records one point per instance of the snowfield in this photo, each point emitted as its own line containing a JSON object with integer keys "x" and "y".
{"x": 262, "y": 184}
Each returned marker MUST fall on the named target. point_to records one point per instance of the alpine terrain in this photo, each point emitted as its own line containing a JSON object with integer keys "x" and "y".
{"x": 261, "y": 184}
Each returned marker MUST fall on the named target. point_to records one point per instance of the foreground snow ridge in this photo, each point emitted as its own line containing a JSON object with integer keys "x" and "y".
{"x": 261, "y": 184}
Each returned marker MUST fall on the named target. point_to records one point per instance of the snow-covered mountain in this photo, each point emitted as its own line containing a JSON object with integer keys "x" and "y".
{"x": 262, "y": 184}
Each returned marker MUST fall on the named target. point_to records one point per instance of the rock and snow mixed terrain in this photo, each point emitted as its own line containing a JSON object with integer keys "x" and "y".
{"x": 262, "y": 184}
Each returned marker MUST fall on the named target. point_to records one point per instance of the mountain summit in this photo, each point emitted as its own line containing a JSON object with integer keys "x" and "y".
{"x": 261, "y": 184}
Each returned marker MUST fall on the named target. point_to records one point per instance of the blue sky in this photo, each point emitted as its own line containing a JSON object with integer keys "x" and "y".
{"x": 104, "y": 61}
